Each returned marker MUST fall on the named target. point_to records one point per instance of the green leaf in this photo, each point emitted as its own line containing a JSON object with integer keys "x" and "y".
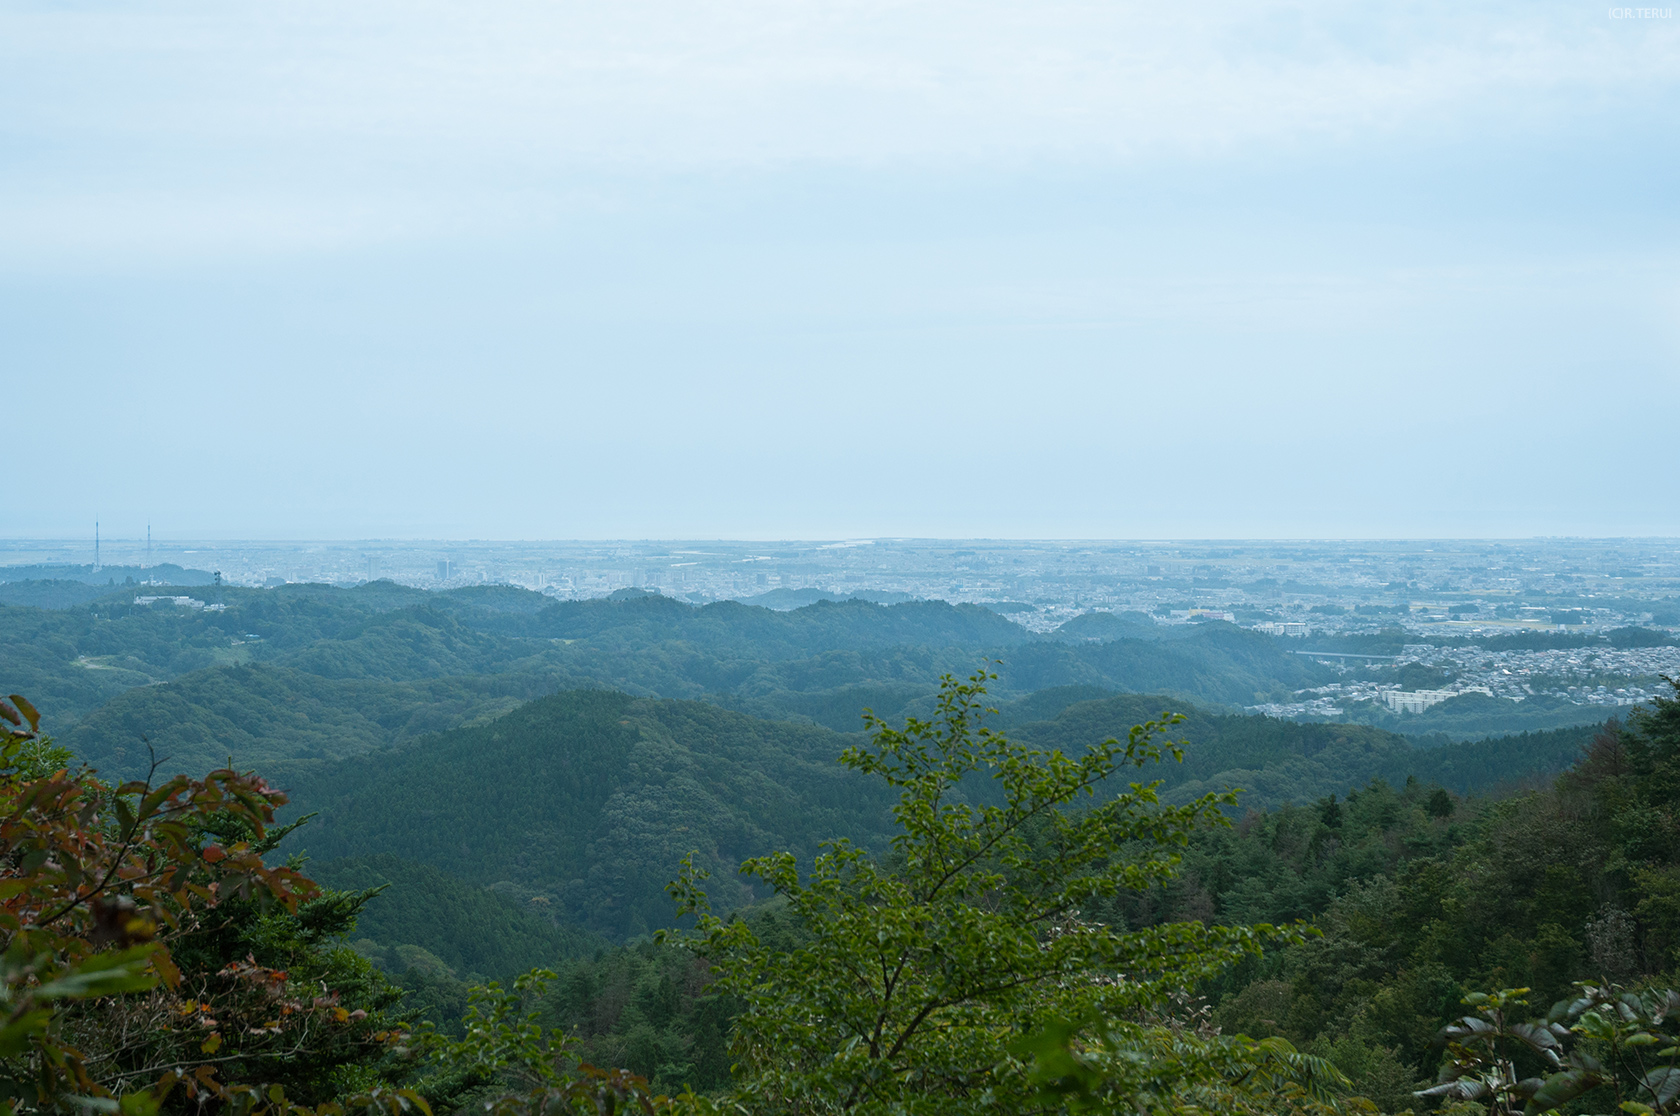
{"x": 17, "y": 1032}
{"x": 140, "y": 1104}
{"x": 103, "y": 974}
{"x": 1664, "y": 1085}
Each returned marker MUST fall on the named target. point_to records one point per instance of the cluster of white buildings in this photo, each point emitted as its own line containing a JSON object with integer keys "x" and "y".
{"x": 182, "y": 602}
{"x": 1416, "y": 701}
{"x": 1190, "y": 615}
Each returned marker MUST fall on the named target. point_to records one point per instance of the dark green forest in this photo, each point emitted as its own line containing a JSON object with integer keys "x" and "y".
{"x": 487, "y": 782}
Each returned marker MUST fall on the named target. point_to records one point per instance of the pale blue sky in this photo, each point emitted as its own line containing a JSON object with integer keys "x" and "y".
{"x": 507, "y": 268}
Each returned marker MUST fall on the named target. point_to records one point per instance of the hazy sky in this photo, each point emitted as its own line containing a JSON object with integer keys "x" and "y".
{"x": 743, "y": 268}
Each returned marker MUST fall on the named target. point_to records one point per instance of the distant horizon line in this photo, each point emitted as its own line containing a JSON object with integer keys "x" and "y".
{"x": 835, "y": 541}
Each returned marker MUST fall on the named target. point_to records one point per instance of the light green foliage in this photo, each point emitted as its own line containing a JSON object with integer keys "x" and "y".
{"x": 921, "y": 969}
{"x": 503, "y": 1040}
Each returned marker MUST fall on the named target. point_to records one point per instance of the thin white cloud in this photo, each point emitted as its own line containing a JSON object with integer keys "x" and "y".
{"x": 442, "y": 108}
{"x": 798, "y": 268}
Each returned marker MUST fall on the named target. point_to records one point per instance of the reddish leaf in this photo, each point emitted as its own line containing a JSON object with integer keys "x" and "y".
{"x": 27, "y": 710}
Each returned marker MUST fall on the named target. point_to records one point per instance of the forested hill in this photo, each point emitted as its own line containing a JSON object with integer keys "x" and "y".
{"x": 588, "y": 800}
{"x": 770, "y": 633}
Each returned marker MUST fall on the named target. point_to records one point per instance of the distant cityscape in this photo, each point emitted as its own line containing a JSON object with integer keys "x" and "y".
{"x": 1592, "y": 675}
{"x": 1448, "y": 596}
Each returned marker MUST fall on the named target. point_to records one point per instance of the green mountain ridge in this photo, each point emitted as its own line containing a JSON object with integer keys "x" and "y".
{"x": 303, "y": 673}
